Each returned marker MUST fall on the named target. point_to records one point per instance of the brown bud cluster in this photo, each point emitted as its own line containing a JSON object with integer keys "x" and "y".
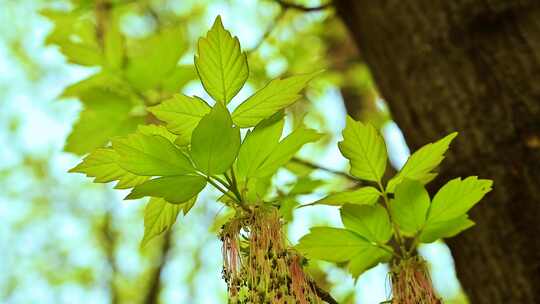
{"x": 258, "y": 266}
{"x": 411, "y": 283}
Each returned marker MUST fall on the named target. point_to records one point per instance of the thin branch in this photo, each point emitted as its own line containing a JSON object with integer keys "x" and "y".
{"x": 323, "y": 294}
{"x": 268, "y": 31}
{"x": 284, "y": 7}
{"x": 299, "y": 7}
{"x": 329, "y": 170}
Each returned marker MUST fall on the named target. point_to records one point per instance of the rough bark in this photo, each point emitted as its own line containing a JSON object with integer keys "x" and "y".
{"x": 472, "y": 66}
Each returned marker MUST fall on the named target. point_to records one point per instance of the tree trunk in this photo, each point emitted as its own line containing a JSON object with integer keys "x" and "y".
{"x": 471, "y": 66}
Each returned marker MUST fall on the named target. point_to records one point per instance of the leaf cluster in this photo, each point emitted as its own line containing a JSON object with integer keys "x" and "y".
{"x": 200, "y": 142}
{"x": 400, "y": 209}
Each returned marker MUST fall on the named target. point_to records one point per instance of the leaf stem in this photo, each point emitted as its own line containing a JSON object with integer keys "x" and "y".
{"x": 329, "y": 170}
{"x": 399, "y": 240}
{"x": 236, "y": 198}
{"x": 392, "y": 252}
{"x": 233, "y": 176}
{"x": 217, "y": 186}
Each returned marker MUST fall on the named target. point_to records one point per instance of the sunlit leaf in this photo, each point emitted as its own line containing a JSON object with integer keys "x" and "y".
{"x": 305, "y": 185}
{"x": 276, "y": 95}
{"x": 151, "y": 155}
{"x": 154, "y": 58}
{"x": 159, "y": 216}
{"x": 258, "y": 144}
{"x": 75, "y": 35}
{"x": 362, "y": 196}
{"x": 178, "y": 78}
{"x": 371, "y": 222}
{"x": 103, "y": 165}
{"x": 182, "y": 114}
{"x": 366, "y": 150}
{"x": 286, "y": 149}
{"x": 174, "y": 189}
{"x": 221, "y": 65}
{"x": 104, "y": 81}
{"x": 456, "y": 198}
{"x": 332, "y": 244}
{"x": 215, "y": 141}
{"x": 106, "y": 115}
{"x": 256, "y": 189}
{"x": 369, "y": 257}
{"x": 438, "y": 230}
{"x": 409, "y": 206}
{"x": 81, "y": 54}
{"x": 422, "y": 162}
{"x": 156, "y": 130}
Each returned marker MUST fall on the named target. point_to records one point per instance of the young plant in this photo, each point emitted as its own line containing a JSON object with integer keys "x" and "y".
{"x": 385, "y": 222}
{"x": 201, "y": 144}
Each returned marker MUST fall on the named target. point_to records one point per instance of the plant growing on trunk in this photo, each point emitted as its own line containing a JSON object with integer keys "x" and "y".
{"x": 200, "y": 144}
{"x": 385, "y": 222}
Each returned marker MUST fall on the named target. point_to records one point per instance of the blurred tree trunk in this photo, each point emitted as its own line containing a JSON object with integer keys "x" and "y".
{"x": 152, "y": 295}
{"x": 472, "y": 66}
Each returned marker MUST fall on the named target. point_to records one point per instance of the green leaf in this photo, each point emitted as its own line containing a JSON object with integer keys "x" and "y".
{"x": 422, "y": 162}
{"x": 106, "y": 115}
{"x": 177, "y": 79}
{"x": 182, "y": 114}
{"x": 410, "y": 206}
{"x": 215, "y": 142}
{"x": 88, "y": 88}
{"x": 298, "y": 168}
{"x": 75, "y": 34}
{"x": 156, "y": 130}
{"x": 371, "y": 222}
{"x": 82, "y": 54}
{"x": 103, "y": 165}
{"x": 174, "y": 189}
{"x": 365, "y": 149}
{"x": 258, "y": 144}
{"x": 187, "y": 206}
{"x": 154, "y": 58}
{"x": 456, "y": 198}
{"x": 362, "y": 196}
{"x": 332, "y": 244}
{"x": 437, "y": 230}
{"x": 275, "y": 96}
{"x": 305, "y": 185}
{"x": 151, "y": 155}
{"x": 159, "y": 216}
{"x": 256, "y": 189}
{"x": 221, "y": 65}
{"x": 369, "y": 257}
{"x": 286, "y": 149}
